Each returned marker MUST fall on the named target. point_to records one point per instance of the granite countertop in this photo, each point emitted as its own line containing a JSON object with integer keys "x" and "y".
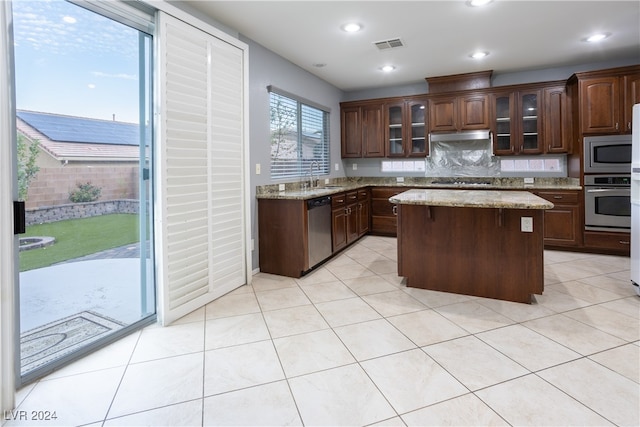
{"x": 472, "y": 199}
{"x": 294, "y": 190}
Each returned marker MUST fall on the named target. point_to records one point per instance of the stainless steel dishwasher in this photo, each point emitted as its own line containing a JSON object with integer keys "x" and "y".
{"x": 319, "y": 229}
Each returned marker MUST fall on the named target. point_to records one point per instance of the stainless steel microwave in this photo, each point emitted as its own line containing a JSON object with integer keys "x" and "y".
{"x": 607, "y": 154}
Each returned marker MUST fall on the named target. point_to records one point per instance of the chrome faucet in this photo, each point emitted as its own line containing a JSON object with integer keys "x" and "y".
{"x": 313, "y": 182}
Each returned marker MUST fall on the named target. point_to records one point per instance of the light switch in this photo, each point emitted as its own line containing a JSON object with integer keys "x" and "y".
{"x": 337, "y": 166}
{"x": 526, "y": 224}
{"x": 257, "y": 168}
{"x": 355, "y": 166}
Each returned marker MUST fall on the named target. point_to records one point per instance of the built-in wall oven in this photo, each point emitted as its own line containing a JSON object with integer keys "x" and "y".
{"x": 607, "y": 202}
{"x": 607, "y": 154}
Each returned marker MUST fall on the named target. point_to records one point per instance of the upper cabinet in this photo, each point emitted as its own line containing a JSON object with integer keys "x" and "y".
{"x": 606, "y": 99}
{"x": 361, "y": 130}
{"x": 517, "y": 123}
{"x": 456, "y": 113}
{"x": 405, "y": 128}
{"x": 557, "y": 120}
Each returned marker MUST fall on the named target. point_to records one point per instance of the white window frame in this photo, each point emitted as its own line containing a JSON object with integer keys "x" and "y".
{"x": 308, "y": 158}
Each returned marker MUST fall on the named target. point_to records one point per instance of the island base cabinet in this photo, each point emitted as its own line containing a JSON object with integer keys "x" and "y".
{"x": 471, "y": 251}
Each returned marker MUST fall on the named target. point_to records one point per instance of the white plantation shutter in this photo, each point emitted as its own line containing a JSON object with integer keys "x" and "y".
{"x": 201, "y": 168}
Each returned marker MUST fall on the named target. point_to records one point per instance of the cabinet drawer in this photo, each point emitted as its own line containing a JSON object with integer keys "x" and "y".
{"x": 338, "y": 200}
{"x": 382, "y": 207}
{"x": 618, "y": 242}
{"x": 560, "y": 197}
{"x": 363, "y": 194}
{"x": 352, "y": 197}
{"x": 385, "y": 193}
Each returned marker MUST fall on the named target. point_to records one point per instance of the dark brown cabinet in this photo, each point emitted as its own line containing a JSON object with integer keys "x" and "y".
{"x": 606, "y": 98}
{"x": 338, "y": 221}
{"x": 361, "y": 130}
{"x": 384, "y": 220}
{"x": 352, "y": 217}
{"x": 364, "y": 210}
{"x": 460, "y": 112}
{"x": 282, "y": 236}
{"x": 346, "y": 211}
{"x": 405, "y": 128}
{"x": 562, "y": 224}
{"x": 556, "y": 120}
{"x": 517, "y": 124}
{"x": 607, "y": 242}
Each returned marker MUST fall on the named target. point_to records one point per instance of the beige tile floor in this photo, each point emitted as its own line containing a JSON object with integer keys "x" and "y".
{"x": 350, "y": 344}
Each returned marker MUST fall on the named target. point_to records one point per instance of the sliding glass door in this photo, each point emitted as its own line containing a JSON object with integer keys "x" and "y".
{"x": 84, "y": 131}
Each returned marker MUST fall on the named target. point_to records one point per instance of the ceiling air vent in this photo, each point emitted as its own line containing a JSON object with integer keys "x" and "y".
{"x": 389, "y": 44}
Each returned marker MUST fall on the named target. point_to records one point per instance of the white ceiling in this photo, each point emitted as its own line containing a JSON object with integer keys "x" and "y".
{"x": 439, "y": 36}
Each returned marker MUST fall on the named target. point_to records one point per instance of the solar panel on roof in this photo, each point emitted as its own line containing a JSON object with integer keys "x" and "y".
{"x": 80, "y": 129}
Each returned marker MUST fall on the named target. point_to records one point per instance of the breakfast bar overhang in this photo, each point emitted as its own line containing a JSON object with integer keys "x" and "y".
{"x": 473, "y": 242}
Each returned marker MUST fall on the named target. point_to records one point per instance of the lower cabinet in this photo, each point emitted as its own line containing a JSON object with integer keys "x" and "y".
{"x": 338, "y": 221}
{"x": 363, "y": 212}
{"x": 562, "y": 224}
{"x": 615, "y": 243}
{"x": 349, "y": 217}
{"x": 282, "y": 237}
{"x": 384, "y": 221}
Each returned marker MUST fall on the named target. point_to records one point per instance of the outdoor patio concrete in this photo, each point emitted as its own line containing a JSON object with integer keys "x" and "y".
{"x": 110, "y": 287}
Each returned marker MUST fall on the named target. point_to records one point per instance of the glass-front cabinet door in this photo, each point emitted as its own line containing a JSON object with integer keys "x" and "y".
{"x": 517, "y": 124}
{"x": 530, "y": 129}
{"x": 503, "y": 105}
{"x": 417, "y": 119}
{"x": 394, "y": 130}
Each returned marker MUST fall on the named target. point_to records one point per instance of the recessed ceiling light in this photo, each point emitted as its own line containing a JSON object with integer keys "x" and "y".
{"x": 597, "y": 37}
{"x": 351, "y": 27}
{"x": 479, "y": 55}
{"x": 478, "y": 3}
{"x": 388, "y": 68}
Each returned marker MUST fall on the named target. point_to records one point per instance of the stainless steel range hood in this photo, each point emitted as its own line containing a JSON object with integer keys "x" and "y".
{"x": 471, "y": 135}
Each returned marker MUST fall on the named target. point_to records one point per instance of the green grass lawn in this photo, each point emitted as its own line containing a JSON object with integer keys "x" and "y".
{"x": 79, "y": 237}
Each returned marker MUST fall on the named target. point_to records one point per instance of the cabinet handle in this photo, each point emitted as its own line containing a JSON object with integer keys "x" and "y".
{"x": 622, "y": 242}
{"x": 339, "y": 201}
{"x": 629, "y": 125}
{"x": 557, "y": 197}
{"x": 617, "y": 126}
{"x": 395, "y": 209}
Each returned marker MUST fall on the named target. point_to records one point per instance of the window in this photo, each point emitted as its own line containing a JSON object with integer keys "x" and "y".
{"x": 299, "y": 137}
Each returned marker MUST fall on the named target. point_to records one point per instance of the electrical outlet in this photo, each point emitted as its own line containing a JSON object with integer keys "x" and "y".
{"x": 280, "y": 187}
{"x": 528, "y": 181}
{"x": 337, "y": 166}
{"x": 257, "y": 168}
{"x": 526, "y": 224}
{"x": 355, "y": 166}
{"x": 326, "y": 181}
{"x": 400, "y": 179}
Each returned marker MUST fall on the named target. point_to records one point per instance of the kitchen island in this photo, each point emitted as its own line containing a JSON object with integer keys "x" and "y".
{"x": 472, "y": 242}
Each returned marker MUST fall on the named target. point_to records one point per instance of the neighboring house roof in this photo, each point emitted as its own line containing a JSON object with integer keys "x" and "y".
{"x": 80, "y": 138}
{"x": 81, "y": 129}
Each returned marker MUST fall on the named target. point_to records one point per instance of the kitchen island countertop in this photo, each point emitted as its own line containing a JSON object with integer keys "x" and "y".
{"x": 472, "y": 199}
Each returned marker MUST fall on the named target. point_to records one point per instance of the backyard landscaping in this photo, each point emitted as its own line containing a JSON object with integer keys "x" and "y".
{"x": 79, "y": 237}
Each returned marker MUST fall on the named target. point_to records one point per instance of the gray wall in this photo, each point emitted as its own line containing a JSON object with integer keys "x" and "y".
{"x": 266, "y": 68}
